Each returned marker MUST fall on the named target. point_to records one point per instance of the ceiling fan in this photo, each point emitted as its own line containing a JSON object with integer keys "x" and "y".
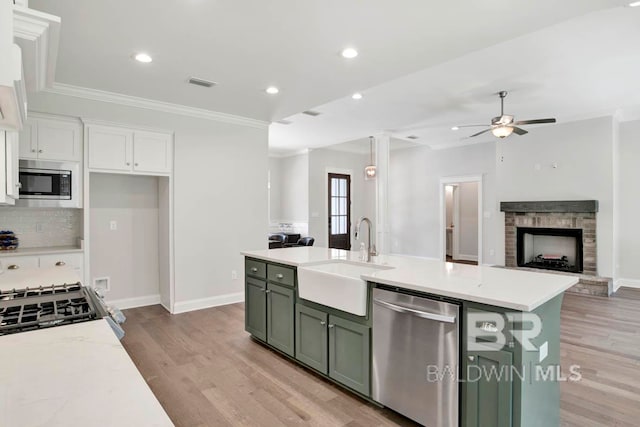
{"x": 503, "y": 125}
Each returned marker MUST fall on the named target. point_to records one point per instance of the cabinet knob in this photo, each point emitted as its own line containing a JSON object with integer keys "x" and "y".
{"x": 268, "y": 291}
{"x": 128, "y": 163}
{"x": 322, "y": 322}
{"x": 331, "y": 326}
{"x": 135, "y": 164}
{"x": 13, "y": 267}
{"x": 60, "y": 263}
{"x": 279, "y": 276}
{"x": 254, "y": 270}
{"x": 33, "y": 150}
{"x": 471, "y": 358}
{"x": 39, "y": 151}
{"x": 19, "y": 185}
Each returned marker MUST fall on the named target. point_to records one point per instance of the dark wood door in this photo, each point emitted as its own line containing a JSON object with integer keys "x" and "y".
{"x": 339, "y": 211}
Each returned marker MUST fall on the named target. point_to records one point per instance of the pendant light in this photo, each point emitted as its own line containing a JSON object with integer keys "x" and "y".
{"x": 370, "y": 171}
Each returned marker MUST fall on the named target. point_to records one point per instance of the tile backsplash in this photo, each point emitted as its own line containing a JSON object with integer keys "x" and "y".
{"x": 43, "y": 227}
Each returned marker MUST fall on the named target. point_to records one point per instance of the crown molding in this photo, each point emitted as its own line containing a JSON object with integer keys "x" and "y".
{"x": 149, "y": 104}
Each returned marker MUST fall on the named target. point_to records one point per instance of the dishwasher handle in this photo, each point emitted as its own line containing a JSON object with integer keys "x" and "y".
{"x": 423, "y": 314}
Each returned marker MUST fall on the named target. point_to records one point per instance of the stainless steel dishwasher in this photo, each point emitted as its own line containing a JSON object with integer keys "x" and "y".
{"x": 416, "y": 356}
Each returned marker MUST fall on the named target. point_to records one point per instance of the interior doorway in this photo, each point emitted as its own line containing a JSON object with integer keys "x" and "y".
{"x": 339, "y": 210}
{"x": 461, "y": 222}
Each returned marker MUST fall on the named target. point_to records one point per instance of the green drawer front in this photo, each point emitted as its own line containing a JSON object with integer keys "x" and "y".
{"x": 256, "y": 268}
{"x": 281, "y": 275}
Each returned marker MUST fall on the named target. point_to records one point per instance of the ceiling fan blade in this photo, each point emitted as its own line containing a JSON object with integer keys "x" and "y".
{"x": 471, "y": 126}
{"x": 518, "y": 131}
{"x": 534, "y": 122}
{"x": 479, "y": 133}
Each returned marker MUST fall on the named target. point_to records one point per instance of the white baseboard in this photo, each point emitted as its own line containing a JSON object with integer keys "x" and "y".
{"x": 125, "y": 303}
{"x": 199, "y": 304}
{"x": 463, "y": 257}
{"x": 629, "y": 283}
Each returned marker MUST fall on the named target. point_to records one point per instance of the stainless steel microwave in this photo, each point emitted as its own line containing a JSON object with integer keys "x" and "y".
{"x": 49, "y": 184}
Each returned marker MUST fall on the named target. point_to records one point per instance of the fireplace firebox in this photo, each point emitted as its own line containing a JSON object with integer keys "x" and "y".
{"x": 557, "y": 249}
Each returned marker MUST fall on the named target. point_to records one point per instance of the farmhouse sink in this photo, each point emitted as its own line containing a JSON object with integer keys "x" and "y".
{"x": 337, "y": 284}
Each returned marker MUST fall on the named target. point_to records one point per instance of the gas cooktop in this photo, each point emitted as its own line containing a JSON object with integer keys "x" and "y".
{"x": 42, "y": 307}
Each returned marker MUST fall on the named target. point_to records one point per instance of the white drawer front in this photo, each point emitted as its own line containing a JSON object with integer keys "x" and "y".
{"x": 19, "y": 262}
{"x": 71, "y": 260}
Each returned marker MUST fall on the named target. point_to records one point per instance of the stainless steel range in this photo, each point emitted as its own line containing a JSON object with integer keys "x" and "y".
{"x": 28, "y": 309}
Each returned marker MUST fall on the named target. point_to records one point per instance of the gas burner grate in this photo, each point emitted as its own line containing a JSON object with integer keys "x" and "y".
{"x": 34, "y": 308}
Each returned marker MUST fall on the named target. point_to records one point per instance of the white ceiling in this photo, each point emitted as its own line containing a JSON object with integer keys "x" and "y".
{"x": 583, "y": 67}
{"x": 293, "y": 44}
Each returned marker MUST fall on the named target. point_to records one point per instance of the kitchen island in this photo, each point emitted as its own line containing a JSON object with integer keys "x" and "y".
{"x": 499, "y": 311}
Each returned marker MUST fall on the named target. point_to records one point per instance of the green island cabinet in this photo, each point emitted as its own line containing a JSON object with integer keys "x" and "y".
{"x": 337, "y": 345}
{"x": 516, "y": 392}
{"x": 334, "y": 346}
{"x": 270, "y": 303}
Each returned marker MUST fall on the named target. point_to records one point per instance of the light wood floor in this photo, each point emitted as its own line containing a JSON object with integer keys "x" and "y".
{"x": 206, "y": 371}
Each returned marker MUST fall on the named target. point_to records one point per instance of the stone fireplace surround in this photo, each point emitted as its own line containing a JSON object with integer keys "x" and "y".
{"x": 577, "y": 214}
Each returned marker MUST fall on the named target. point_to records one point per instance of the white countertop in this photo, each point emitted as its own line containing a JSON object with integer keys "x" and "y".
{"x": 40, "y": 251}
{"x": 34, "y": 277}
{"x": 75, "y": 375}
{"x": 514, "y": 289}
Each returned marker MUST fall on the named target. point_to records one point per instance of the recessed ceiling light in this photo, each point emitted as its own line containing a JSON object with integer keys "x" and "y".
{"x": 356, "y": 95}
{"x": 272, "y": 90}
{"x": 143, "y": 57}
{"x": 349, "y": 53}
{"x": 634, "y": 4}
{"x": 455, "y": 128}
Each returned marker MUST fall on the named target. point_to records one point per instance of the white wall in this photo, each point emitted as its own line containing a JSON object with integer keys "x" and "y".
{"x": 128, "y": 255}
{"x": 362, "y": 191}
{"x": 414, "y": 205}
{"x": 275, "y": 189}
{"x": 583, "y": 153}
{"x": 468, "y": 200}
{"x": 220, "y": 188}
{"x": 629, "y": 204}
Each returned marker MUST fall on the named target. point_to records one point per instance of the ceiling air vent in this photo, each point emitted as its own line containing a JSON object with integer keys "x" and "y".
{"x": 312, "y": 113}
{"x": 413, "y": 137}
{"x": 201, "y": 82}
{"x": 283, "y": 122}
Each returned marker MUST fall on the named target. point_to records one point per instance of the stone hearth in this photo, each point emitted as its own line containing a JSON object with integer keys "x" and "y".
{"x": 558, "y": 215}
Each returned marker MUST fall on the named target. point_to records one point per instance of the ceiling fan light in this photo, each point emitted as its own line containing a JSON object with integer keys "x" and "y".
{"x": 502, "y": 131}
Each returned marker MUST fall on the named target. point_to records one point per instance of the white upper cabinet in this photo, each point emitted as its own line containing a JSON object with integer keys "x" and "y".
{"x": 109, "y": 148}
{"x": 49, "y": 138}
{"x": 151, "y": 152}
{"x": 119, "y": 149}
{"x": 13, "y": 176}
{"x": 9, "y": 189}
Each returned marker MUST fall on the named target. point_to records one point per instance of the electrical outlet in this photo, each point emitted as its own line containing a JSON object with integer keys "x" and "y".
{"x": 234, "y": 275}
{"x": 113, "y": 225}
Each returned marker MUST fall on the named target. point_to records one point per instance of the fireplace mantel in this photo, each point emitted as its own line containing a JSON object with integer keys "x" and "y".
{"x": 568, "y": 206}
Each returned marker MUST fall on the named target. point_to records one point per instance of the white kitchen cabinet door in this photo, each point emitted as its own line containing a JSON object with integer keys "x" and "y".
{"x": 19, "y": 262}
{"x": 29, "y": 140}
{"x": 12, "y": 177}
{"x": 59, "y": 140}
{"x": 110, "y": 148}
{"x": 152, "y": 152}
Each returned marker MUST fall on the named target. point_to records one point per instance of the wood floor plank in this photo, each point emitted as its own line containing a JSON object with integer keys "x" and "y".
{"x": 206, "y": 370}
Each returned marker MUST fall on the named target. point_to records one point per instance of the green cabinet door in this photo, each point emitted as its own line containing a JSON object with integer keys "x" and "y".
{"x": 255, "y": 308}
{"x": 350, "y": 354}
{"x": 280, "y": 318}
{"x": 489, "y": 389}
{"x": 311, "y": 337}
